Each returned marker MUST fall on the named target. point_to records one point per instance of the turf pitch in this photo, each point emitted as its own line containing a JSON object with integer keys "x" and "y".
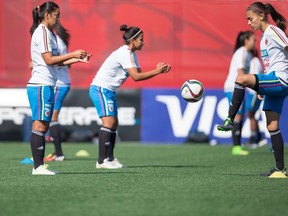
{"x": 158, "y": 180}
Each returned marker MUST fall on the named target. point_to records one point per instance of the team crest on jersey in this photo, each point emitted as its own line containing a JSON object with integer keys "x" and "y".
{"x": 266, "y": 41}
{"x": 110, "y": 107}
{"x": 47, "y": 110}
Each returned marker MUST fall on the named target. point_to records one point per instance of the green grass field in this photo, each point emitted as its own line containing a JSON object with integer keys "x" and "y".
{"x": 158, "y": 180}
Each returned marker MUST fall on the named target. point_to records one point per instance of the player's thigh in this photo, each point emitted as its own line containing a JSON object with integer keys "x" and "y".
{"x": 104, "y": 101}
{"x": 41, "y": 99}
{"x": 60, "y": 94}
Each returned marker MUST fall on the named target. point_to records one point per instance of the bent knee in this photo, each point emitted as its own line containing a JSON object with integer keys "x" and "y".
{"x": 241, "y": 79}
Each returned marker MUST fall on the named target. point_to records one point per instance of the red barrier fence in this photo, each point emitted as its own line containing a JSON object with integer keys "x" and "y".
{"x": 195, "y": 37}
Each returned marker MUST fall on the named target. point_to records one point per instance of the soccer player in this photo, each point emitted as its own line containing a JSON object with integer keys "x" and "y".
{"x": 253, "y": 104}
{"x": 61, "y": 90}
{"x": 40, "y": 87}
{"x": 119, "y": 65}
{"x": 240, "y": 64}
{"x": 273, "y": 84}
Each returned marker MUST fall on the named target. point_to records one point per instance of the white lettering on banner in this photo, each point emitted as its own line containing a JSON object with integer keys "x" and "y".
{"x": 69, "y": 115}
{"x": 208, "y": 110}
{"x": 222, "y": 111}
{"x": 16, "y": 115}
{"x": 126, "y": 115}
{"x": 181, "y": 125}
{"x": 78, "y": 115}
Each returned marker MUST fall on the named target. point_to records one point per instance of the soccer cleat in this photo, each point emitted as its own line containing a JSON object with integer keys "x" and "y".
{"x": 254, "y": 144}
{"x": 237, "y": 150}
{"x": 106, "y": 165}
{"x": 42, "y": 170}
{"x": 54, "y": 157}
{"x": 262, "y": 142}
{"x": 251, "y": 143}
{"x": 60, "y": 158}
{"x": 276, "y": 173}
{"x": 227, "y": 125}
{"x": 115, "y": 162}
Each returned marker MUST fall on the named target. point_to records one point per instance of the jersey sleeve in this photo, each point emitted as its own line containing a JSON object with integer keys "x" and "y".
{"x": 128, "y": 60}
{"x": 44, "y": 41}
{"x": 279, "y": 37}
{"x": 241, "y": 59}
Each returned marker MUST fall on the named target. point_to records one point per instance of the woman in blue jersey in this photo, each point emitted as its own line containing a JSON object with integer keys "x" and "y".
{"x": 121, "y": 64}
{"x": 273, "y": 84}
{"x": 240, "y": 64}
{"x": 40, "y": 87}
{"x": 62, "y": 88}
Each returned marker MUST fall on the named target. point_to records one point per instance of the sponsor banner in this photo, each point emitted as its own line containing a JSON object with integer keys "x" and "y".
{"x": 167, "y": 117}
{"x": 78, "y": 116}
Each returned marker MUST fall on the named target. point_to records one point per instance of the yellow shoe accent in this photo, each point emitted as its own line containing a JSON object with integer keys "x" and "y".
{"x": 278, "y": 174}
{"x": 237, "y": 150}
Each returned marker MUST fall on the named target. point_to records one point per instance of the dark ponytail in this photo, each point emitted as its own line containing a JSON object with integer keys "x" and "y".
{"x": 62, "y": 33}
{"x": 259, "y": 7}
{"x": 39, "y": 12}
{"x": 35, "y": 19}
{"x": 280, "y": 21}
{"x": 130, "y": 33}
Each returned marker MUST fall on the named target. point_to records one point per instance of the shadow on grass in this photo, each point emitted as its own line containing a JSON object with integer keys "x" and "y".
{"x": 168, "y": 166}
{"x": 93, "y": 173}
{"x": 80, "y": 159}
{"x": 237, "y": 174}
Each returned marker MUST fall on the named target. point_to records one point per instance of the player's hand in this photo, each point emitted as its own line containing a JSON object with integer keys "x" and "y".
{"x": 80, "y": 54}
{"x": 168, "y": 68}
{"x": 163, "y": 67}
{"x": 88, "y": 56}
{"x": 260, "y": 97}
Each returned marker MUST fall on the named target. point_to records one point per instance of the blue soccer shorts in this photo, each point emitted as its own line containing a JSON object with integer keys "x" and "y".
{"x": 104, "y": 101}
{"x": 274, "y": 91}
{"x": 60, "y": 94}
{"x": 41, "y": 99}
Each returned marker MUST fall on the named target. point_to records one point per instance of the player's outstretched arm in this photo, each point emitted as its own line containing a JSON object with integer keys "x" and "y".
{"x": 138, "y": 75}
{"x": 76, "y": 60}
{"x": 51, "y": 60}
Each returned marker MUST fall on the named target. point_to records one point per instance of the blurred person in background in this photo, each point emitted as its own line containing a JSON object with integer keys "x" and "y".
{"x": 40, "y": 88}
{"x": 240, "y": 64}
{"x": 119, "y": 65}
{"x": 253, "y": 103}
{"x": 273, "y": 84}
{"x": 62, "y": 88}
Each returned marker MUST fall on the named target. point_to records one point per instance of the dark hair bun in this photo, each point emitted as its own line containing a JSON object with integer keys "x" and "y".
{"x": 123, "y": 28}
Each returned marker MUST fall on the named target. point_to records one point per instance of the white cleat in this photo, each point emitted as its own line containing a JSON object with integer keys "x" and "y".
{"x": 106, "y": 165}
{"x": 42, "y": 170}
{"x": 115, "y": 162}
{"x": 60, "y": 158}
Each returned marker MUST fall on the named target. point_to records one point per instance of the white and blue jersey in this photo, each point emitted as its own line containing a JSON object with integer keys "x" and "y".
{"x": 63, "y": 82}
{"x": 40, "y": 87}
{"x": 274, "y": 83}
{"x": 43, "y": 41}
{"x": 63, "y": 78}
{"x": 240, "y": 60}
{"x": 111, "y": 75}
